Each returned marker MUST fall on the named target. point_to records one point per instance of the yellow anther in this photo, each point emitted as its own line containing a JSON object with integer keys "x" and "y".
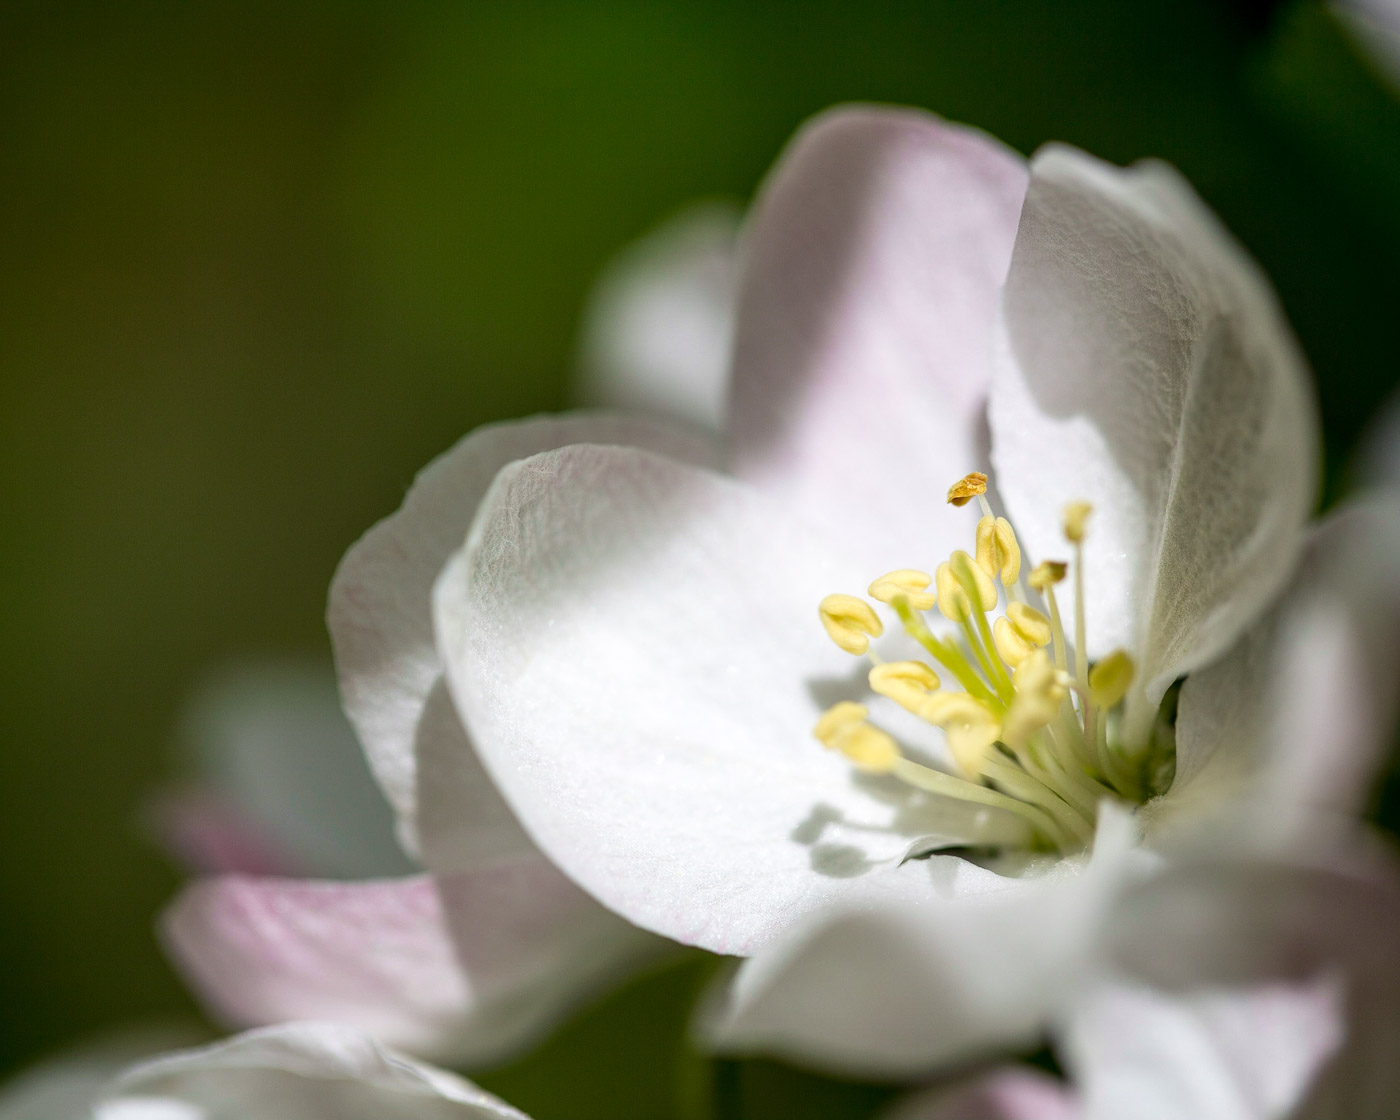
{"x": 869, "y": 749}
{"x": 908, "y": 683}
{"x": 1012, "y": 648}
{"x": 839, "y": 718}
{"x": 851, "y": 622}
{"x": 842, "y": 727}
{"x": 908, "y": 583}
{"x": 1110, "y": 677}
{"x": 1048, "y": 573}
{"x": 998, "y": 554}
{"x": 1030, "y": 624}
{"x": 969, "y": 726}
{"x": 1039, "y": 689}
{"x": 1076, "y": 516}
{"x": 966, "y": 488}
{"x": 952, "y": 596}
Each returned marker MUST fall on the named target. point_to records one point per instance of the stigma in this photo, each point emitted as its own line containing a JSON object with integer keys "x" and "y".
{"x": 1030, "y": 725}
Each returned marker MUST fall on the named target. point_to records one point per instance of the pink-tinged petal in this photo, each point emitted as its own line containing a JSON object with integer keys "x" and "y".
{"x": 899, "y": 991}
{"x": 468, "y": 968}
{"x": 1220, "y": 1054}
{"x": 873, "y": 265}
{"x": 1146, "y": 367}
{"x": 1011, "y": 1093}
{"x": 635, "y": 646}
{"x": 268, "y": 741}
{"x": 206, "y": 833}
{"x": 381, "y": 620}
{"x": 297, "y": 1071}
{"x": 1300, "y": 713}
{"x": 1208, "y": 927}
{"x": 658, "y": 327}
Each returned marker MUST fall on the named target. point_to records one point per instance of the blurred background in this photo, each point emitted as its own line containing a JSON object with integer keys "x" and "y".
{"x": 262, "y": 261}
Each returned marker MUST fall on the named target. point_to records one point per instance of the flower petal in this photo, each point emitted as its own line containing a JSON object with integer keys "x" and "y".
{"x": 1301, "y": 711}
{"x": 380, "y": 607}
{"x": 299, "y": 1071}
{"x": 896, "y": 991}
{"x": 659, "y": 323}
{"x": 873, "y": 267}
{"x": 1011, "y": 1093}
{"x": 1217, "y": 925}
{"x": 270, "y": 743}
{"x": 1220, "y": 1054}
{"x": 1146, "y": 367}
{"x": 635, "y": 647}
{"x": 467, "y": 969}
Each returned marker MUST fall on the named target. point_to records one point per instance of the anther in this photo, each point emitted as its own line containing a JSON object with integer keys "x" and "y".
{"x": 970, "y": 486}
{"x": 908, "y": 683}
{"x": 969, "y": 726}
{"x": 1047, "y": 573}
{"x": 1110, "y": 677}
{"x": 1039, "y": 689}
{"x": 850, "y": 622}
{"x": 1076, "y": 517}
{"x": 997, "y": 550}
{"x": 908, "y": 583}
{"x": 843, "y": 728}
{"x": 1020, "y": 633}
{"x": 953, "y": 598}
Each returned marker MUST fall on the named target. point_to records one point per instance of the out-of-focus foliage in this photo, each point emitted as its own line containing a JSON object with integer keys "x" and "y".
{"x": 264, "y": 260}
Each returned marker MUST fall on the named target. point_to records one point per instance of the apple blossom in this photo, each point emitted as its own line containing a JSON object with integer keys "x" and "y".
{"x": 298, "y": 1071}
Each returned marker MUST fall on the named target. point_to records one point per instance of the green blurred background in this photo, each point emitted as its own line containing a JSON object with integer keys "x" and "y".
{"x": 262, "y": 261}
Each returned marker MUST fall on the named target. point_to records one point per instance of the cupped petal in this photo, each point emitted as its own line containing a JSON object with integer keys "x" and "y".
{"x": 659, "y": 323}
{"x": 281, "y": 780}
{"x": 1136, "y": 1053}
{"x": 467, "y": 968}
{"x": 1146, "y": 367}
{"x": 1299, "y": 714}
{"x": 1011, "y": 1093}
{"x": 298, "y": 1071}
{"x": 635, "y": 647}
{"x": 872, "y": 269}
{"x": 898, "y": 991}
{"x": 380, "y": 613}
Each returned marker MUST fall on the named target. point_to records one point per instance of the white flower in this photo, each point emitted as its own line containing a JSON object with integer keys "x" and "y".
{"x": 299, "y": 1071}
{"x": 630, "y": 638}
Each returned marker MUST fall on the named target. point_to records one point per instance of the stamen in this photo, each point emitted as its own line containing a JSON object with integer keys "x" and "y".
{"x": 953, "y": 597}
{"x": 998, "y": 553}
{"x": 908, "y": 582}
{"x": 970, "y": 726}
{"x": 843, "y": 728}
{"x": 908, "y": 683}
{"x": 850, "y": 622}
{"x": 1039, "y": 689}
{"x": 1110, "y": 677}
{"x": 1076, "y": 518}
{"x": 970, "y": 486}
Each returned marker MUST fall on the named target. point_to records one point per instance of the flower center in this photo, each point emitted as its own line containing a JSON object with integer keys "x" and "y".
{"x": 1034, "y": 729}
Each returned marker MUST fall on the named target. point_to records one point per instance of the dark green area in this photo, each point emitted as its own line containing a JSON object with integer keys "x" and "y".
{"x": 262, "y": 261}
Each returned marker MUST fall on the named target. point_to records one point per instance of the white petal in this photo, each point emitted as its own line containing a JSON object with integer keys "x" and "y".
{"x": 1146, "y": 367}
{"x": 467, "y": 969}
{"x": 1011, "y": 1093}
{"x": 1224, "y": 1054}
{"x": 271, "y": 741}
{"x": 381, "y": 622}
{"x": 300, "y": 1071}
{"x": 1210, "y": 926}
{"x": 635, "y": 647}
{"x": 873, "y": 266}
{"x": 1379, "y": 459}
{"x": 658, "y": 326}
{"x": 65, "y": 1087}
{"x": 1301, "y": 711}
{"x": 897, "y": 991}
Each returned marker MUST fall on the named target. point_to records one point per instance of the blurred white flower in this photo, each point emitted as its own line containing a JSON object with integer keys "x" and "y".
{"x": 298, "y": 1071}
